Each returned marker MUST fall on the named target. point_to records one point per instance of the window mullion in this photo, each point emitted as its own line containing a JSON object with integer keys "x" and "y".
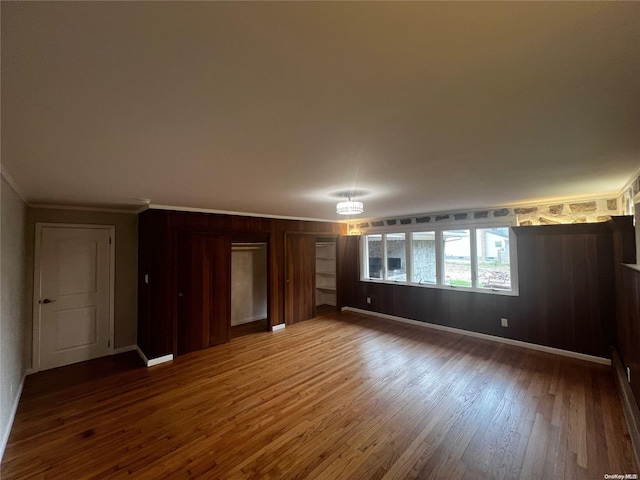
{"x": 364, "y": 257}
{"x": 513, "y": 261}
{"x": 439, "y": 258}
{"x": 384, "y": 257}
{"x": 408, "y": 243}
{"x": 473, "y": 256}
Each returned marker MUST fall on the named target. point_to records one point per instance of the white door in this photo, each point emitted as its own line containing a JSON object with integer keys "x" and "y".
{"x": 73, "y": 295}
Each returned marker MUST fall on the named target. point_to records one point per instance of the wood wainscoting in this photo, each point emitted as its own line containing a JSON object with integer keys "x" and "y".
{"x": 343, "y": 396}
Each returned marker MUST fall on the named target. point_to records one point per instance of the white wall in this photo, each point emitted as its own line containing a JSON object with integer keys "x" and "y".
{"x": 14, "y": 328}
{"x": 248, "y": 284}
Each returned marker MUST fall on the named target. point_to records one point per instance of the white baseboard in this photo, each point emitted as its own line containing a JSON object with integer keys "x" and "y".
{"x": 278, "y": 327}
{"x": 142, "y": 355}
{"x": 153, "y": 361}
{"x": 159, "y": 360}
{"x": 5, "y": 435}
{"x": 493, "y": 338}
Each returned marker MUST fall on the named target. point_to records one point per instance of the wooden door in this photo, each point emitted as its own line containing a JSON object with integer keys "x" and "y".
{"x": 204, "y": 292}
{"x": 73, "y": 295}
{"x": 300, "y": 263}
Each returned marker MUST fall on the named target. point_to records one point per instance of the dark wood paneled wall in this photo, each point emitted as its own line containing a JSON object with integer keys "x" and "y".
{"x": 204, "y": 289}
{"x": 628, "y": 305}
{"x": 628, "y": 331}
{"x": 568, "y": 276}
{"x": 300, "y": 268}
{"x": 629, "y": 325}
{"x": 155, "y": 267}
{"x": 159, "y": 231}
{"x": 567, "y": 290}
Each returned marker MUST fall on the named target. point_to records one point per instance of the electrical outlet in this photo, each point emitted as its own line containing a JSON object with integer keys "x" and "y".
{"x": 628, "y": 374}
{"x": 504, "y": 322}
{"x": 368, "y": 299}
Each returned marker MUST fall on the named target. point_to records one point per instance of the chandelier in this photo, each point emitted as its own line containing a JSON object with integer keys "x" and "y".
{"x": 350, "y": 207}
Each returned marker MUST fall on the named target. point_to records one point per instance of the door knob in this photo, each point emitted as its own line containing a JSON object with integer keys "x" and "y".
{"x": 47, "y": 300}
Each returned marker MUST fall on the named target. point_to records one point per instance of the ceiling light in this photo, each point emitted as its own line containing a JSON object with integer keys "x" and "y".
{"x": 349, "y": 207}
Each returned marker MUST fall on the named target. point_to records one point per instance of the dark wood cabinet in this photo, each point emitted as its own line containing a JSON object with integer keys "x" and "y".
{"x": 184, "y": 279}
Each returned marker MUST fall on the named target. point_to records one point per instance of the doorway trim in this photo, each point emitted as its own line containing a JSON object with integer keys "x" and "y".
{"x": 37, "y": 265}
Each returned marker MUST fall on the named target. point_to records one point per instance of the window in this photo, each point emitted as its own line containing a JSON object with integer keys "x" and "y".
{"x": 374, "y": 256}
{"x": 457, "y": 258}
{"x": 396, "y": 257}
{"x": 423, "y": 248}
{"x": 476, "y": 258}
{"x": 494, "y": 265}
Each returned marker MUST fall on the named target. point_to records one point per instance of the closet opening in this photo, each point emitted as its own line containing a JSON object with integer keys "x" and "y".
{"x": 325, "y": 273}
{"x": 310, "y": 276}
{"x": 249, "y": 293}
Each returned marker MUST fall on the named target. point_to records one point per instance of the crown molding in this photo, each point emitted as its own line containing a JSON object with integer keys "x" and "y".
{"x": 87, "y": 209}
{"x": 243, "y": 214}
{"x": 7, "y": 176}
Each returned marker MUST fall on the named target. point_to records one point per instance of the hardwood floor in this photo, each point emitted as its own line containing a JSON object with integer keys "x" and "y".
{"x": 325, "y": 310}
{"x": 344, "y": 396}
{"x": 243, "y": 329}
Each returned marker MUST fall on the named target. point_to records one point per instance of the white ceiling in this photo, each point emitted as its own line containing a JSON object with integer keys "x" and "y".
{"x": 275, "y": 108}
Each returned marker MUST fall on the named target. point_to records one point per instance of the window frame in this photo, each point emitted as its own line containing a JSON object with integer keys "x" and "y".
{"x": 471, "y": 256}
{"x": 440, "y": 254}
{"x": 385, "y": 257}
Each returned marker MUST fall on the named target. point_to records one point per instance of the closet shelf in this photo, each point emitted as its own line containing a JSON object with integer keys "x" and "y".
{"x": 325, "y": 274}
{"x": 326, "y": 289}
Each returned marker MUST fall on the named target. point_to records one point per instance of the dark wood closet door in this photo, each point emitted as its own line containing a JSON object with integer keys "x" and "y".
{"x": 204, "y": 298}
{"x": 300, "y": 303}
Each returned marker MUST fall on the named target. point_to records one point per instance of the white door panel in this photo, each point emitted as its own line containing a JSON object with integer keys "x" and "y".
{"x": 76, "y": 328}
{"x": 78, "y": 268}
{"x": 74, "y": 295}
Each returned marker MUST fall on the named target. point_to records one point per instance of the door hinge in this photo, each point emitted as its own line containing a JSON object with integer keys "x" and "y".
{"x": 109, "y": 343}
{"x": 109, "y": 240}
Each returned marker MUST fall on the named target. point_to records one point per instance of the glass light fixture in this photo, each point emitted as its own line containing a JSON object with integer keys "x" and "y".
{"x": 350, "y": 207}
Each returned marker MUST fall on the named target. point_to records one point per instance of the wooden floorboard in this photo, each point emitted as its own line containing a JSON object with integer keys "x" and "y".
{"x": 342, "y": 396}
{"x": 257, "y": 326}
